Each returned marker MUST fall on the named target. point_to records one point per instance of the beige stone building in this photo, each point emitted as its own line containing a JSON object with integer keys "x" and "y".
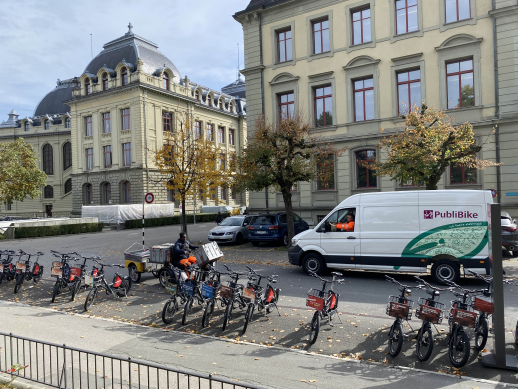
{"x": 352, "y": 67}
{"x": 114, "y": 115}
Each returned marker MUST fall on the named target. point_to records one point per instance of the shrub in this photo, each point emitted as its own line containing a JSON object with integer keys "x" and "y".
{"x": 35, "y": 232}
{"x": 167, "y": 221}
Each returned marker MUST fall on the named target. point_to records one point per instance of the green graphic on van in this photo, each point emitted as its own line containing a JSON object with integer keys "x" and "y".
{"x": 460, "y": 240}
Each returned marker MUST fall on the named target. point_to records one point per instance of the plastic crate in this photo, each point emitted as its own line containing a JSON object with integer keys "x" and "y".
{"x": 137, "y": 253}
{"x": 400, "y": 310}
{"x": 425, "y": 311}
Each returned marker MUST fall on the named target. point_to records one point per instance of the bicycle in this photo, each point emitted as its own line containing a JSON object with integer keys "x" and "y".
{"x": 7, "y": 270}
{"x": 65, "y": 275}
{"x": 326, "y": 304}
{"x": 232, "y": 294}
{"x": 175, "y": 289}
{"x": 210, "y": 291}
{"x": 399, "y": 307}
{"x": 262, "y": 298}
{"x": 119, "y": 288}
{"x": 24, "y": 271}
{"x": 192, "y": 290}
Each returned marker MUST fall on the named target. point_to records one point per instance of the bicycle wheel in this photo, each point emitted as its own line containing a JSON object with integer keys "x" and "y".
{"x": 75, "y": 289}
{"x": 459, "y": 348}
{"x": 90, "y": 298}
{"x": 55, "y": 290}
{"x": 228, "y": 314}
{"x": 169, "y": 311}
{"x": 395, "y": 342}
{"x": 248, "y": 316}
{"x": 125, "y": 287}
{"x": 19, "y": 283}
{"x": 481, "y": 332}
{"x": 207, "y": 313}
{"x": 187, "y": 310}
{"x": 424, "y": 346}
{"x": 315, "y": 328}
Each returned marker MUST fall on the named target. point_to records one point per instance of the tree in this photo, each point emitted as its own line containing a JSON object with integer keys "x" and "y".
{"x": 190, "y": 164}
{"x": 429, "y": 144}
{"x": 19, "y": 174}
{"x": 278, "y": 157}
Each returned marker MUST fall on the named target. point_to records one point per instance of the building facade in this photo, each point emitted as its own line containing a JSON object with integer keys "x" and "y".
{"x": 116, "y": 115}
{"x": 353, "y": 67}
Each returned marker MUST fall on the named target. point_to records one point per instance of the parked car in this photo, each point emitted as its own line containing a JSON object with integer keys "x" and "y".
{"x": 509, "y": 233}
{"x": 233, "y": 229}
{"x": 273, "y": 228}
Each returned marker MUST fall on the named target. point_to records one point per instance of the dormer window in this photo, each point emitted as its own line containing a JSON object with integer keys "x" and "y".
{"x": 197, "y": 95}
{"x": 220, "y": 103}
{"x": 27, "y": 126}
{"x": 209, "y": 100}
{"x": 124, "y": 76}
{"x": 67, "y": 123}
{"x": 165, "y": 81}
{"x": 87, "y": 86}
{"x": 47, "y": 124}
{"x": 105, "y": 81}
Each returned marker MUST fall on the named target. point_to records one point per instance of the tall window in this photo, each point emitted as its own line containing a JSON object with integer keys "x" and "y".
{"x": 457, "y": 10}
{"x": 461, "y": 174}
{"x": 126, "y": 154}
{"x": 287, "y": 105}
{"x": 124, "y": 76}
{"x": 125, "y": 119}
{"x": 197, "y": 129}
{"x": 221, "y": 103}
{"x": 89, "y": 159}
{"x": 361, "y": 21}
{"x": 48, "y": 160}
{"x": 326, "y": 173}
{"x": 107, "y": 123}
{"x": 165, "y": 81}
{"x": 105, "y": 81}
{"x": 107, "y": 193}
{"x": 68, "y": 186}
{"x": 171, "y": 194}
{"x": 210, "y": 135}
{"x": 459, "y": 80}
{"x": 47, "y": 124}
{"x": 231, "y": 140}
{"x": 27, "y": 126}
{"x": 320, "y": 36}
{"x": 88, "y": 194}
{"x": 222, "y": 161}
{"x": 87, "y": 87}
{"x": 363, "y": 99}
{"x": 48, "y": 192}
{"x": 233, "y": 193}
{"x": 67, "y": 156}
{"x": 408, "y": 90}
{"x": 126, "y": 192}
{"x": 231, "y": 107}
{"x": 284, "y": 46}
{"x": 406, "y": 16}
{"x": 88, "y": 126}
{"x": 365, "y": 177}
{"x": 67, "y": 123}
{"x": 209, "y": 100}
{"x": 107, "y": 151}
{"x": 197, "y": 95}
{"x": 324, "y": 106}
{"x": 221, "y": 134}
{"x": 223, "y": 193}
{"x": 167, "y": 121}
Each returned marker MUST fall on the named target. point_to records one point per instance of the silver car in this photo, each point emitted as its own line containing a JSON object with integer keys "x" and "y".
{"x": 233, "y": 229}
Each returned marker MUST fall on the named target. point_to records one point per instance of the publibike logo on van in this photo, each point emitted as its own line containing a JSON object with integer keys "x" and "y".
{"x": 460, "y": 240}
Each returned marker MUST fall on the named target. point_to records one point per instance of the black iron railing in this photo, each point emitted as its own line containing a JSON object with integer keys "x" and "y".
{"x": 60, "y": 366}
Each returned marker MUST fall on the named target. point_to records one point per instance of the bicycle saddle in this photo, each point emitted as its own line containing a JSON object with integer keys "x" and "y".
{"x": 336, "y": 274}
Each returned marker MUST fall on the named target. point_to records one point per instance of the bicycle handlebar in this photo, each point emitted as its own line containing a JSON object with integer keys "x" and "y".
{"x": 394, "y": 281}
{"x": 423, "y": 282}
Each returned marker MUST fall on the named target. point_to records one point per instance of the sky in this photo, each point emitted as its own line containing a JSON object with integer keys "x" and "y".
{"x": 45, "y": 40}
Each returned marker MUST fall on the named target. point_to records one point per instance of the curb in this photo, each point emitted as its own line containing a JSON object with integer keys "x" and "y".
{"x": 19, "y": 383}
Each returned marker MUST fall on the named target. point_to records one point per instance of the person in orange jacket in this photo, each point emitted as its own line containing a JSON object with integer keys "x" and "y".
{"x": 348, "y": 225}
{"x": 182, "y": 250}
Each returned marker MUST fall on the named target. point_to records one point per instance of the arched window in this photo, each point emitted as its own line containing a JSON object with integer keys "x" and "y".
{"x": 221, "y": 103}
{"x": 197, "y": 95}
{"x": 105, "y": 81}
{"x": 106, "y": 193}
{"x": 27, "y": 126}
{"x": 87, "y": 86}
{"x": 47, "y": 124}
{"x": 124, "y": 76}
{"x": 88, "y": 194}
{"x": 68, "y": 186}
{"x": 67, "y": 123}
{"x": 126, "y": 192}
{"x": 48, "y": 159}
{"x": 165, "y": 81}
{"x": 209, "y": 100}
{"x": 67, "y": 156}
{"x": 48, "y": 192}
{"x": 230, "y": 107}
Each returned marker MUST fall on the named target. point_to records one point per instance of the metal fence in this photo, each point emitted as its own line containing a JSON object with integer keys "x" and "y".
{"x": 60, "y": 366}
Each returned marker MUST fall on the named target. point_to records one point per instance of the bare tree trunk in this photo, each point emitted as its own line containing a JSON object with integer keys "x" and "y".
{"x": 286, "y": 195}
{"x": 431, "y": 183}
{"x": 184, "y": 219}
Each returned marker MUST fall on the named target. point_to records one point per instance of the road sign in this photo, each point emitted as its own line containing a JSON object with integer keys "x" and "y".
{"x": 149, "y": 198}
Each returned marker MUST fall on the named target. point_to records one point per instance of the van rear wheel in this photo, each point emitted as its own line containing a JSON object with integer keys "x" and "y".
{"x": 314, "y": 263}
{"x": 445, "y": 270}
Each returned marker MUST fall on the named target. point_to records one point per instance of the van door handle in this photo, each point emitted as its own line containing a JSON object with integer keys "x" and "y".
{"x": 351, "y": 237}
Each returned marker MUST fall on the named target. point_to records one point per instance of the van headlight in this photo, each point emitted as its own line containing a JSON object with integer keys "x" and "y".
{"x": 295, "y": 242}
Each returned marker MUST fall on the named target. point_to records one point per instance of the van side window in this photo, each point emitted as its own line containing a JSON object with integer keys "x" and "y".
{"x": 296, "y": 218}
{"x": 341, "y": 221}
{"x": 283, "y": 219}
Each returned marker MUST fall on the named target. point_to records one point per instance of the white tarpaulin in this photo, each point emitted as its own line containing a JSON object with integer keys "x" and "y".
{"x": 112, "y": 214}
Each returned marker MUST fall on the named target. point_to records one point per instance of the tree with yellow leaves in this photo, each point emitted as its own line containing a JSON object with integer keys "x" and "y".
{"x": 429, "y": 144}
{"x": 190, "y": 163}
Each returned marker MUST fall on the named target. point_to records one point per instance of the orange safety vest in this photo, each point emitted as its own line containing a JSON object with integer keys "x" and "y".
{"x": 345, "y": 226}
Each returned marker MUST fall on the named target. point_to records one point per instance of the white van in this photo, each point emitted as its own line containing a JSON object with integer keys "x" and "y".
{"x": 401, "y": 232}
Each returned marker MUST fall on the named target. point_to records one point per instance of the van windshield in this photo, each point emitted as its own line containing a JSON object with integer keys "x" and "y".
{"x": 263, "y": 220}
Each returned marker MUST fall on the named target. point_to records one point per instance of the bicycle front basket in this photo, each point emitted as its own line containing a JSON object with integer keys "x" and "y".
{"x": 315, "y": 300}
{"x": 483, "y": 304}
{"x": 466, "y": 318}
{"x": 401, "y": 310}
{"x": 207, "y": 291}
{"x": 426, "y": 312}
{"x": 170, "y": 288}
{"x": 188, "y": 288}
{"x": 226, "y": 292}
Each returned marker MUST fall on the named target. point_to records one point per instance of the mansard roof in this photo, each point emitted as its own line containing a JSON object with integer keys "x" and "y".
{"x": 52, "y": 103}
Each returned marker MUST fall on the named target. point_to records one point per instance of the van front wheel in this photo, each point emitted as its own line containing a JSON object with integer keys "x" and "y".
{"x": 445, "y": 270}
{"x": 314, "y": 263}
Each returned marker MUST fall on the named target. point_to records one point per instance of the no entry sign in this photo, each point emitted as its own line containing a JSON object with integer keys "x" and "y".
{"x": 149, "y": 197}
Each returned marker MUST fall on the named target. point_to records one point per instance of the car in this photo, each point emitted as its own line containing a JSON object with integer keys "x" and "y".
{"x": 233, "y": 229}
{"x": 273, "y": 227}
{"x": 509, "y": 233}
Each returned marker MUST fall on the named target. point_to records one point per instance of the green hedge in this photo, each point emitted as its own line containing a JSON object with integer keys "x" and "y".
{"x": 34, "y": 232}
{"x": 166, "y": 221}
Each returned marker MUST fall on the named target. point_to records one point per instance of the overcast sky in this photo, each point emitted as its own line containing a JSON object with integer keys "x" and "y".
{"x": 43, "y": 40}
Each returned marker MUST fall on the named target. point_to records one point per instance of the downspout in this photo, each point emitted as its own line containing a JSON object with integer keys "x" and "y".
{"x": 145, "y": 144}
{"x": 497, "y": 108}
{"x": 262, "y": 90}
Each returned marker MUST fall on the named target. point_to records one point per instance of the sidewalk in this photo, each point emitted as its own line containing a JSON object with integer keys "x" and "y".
{"x": 267, "y": 366}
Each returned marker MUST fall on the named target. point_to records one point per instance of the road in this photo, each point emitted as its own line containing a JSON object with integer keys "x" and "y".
{"x": 362, "y": 335}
